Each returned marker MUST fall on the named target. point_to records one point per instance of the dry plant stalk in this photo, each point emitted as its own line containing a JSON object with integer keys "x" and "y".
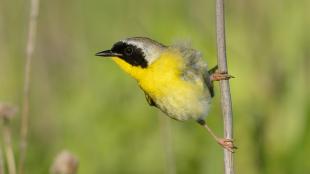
{"x": 9, "y": 147}
{"x": 166, "y": 137}
{"x": 7, "y": 112}
{"x": 1, "y": 162}
{"x": 34, "y": 11}
{"x": 224, "y": 84}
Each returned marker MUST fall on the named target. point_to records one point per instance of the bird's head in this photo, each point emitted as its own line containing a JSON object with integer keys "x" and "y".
{"x": 139, "y": 52}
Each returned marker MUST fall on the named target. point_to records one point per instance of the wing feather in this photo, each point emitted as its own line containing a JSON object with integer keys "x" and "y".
{"x": 195, "y": 66}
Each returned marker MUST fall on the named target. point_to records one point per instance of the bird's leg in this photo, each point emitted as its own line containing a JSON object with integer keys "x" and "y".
{"x": 224, "y": 142}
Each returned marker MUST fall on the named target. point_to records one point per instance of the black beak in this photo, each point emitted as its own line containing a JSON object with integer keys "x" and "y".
{"x": 108, "y": 53}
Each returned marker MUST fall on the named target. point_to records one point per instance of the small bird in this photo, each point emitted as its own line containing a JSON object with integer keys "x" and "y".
{"x": 174, "y": 78}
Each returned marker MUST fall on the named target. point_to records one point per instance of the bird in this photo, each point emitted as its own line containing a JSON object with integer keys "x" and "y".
{"x": 174, "y": 78}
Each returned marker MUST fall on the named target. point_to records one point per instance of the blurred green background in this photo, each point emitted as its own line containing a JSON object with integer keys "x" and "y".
{"x": 89, "y": 106}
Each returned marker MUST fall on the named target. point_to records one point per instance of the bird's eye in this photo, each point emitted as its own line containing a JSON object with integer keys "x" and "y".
{"x": 128, "y": 51}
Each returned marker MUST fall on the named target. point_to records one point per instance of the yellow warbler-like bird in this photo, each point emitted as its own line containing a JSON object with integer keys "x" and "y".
{"x": 174, "y": 79}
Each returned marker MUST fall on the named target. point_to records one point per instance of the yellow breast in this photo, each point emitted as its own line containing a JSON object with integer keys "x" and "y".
{"x": 162, "y": 81}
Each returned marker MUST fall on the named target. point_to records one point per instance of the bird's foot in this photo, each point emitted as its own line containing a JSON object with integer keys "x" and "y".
{"x": 227, "y": 144}
{"x": 217, "y": 76}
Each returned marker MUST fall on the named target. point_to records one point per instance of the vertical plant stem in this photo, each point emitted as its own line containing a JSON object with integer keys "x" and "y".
{"x": 8, "y": 147}
{"x": 224, "y": 84}
{"x": 34, "y": 12}
{"x": 166, "y": 136}
{"x": 1, "y": 162}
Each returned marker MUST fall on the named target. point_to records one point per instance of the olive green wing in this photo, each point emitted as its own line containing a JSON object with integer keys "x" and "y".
{"x": 208, "y": 82}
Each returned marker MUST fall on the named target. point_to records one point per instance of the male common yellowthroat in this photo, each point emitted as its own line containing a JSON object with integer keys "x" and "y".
{"x": 174, "y": 79}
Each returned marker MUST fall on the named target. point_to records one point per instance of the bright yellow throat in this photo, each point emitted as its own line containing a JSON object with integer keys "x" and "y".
{"x": 162, "y": 70}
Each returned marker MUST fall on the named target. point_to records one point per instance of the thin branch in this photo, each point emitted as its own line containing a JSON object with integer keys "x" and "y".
{"x": 224, "y": 84}
{"x": 34, "y": 11}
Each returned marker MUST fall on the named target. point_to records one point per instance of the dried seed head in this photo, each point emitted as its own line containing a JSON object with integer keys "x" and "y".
{"x": 7, "y": 111}
{"x": 65, "y": 163}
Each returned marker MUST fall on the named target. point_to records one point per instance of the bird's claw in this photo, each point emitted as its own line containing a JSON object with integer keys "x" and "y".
{"x": 227, "y": 144}
{"x": 217, "y": 76}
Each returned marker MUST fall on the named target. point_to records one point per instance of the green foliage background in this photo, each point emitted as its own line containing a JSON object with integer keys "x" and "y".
{"x": 87, "y": 105}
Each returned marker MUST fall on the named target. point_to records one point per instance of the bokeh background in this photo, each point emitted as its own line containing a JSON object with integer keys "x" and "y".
{"x": 87, "y": 105}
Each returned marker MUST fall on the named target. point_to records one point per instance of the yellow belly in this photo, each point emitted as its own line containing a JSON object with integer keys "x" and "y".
{"x": 182, "y": 102}
{"x": 162, "y": 81}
